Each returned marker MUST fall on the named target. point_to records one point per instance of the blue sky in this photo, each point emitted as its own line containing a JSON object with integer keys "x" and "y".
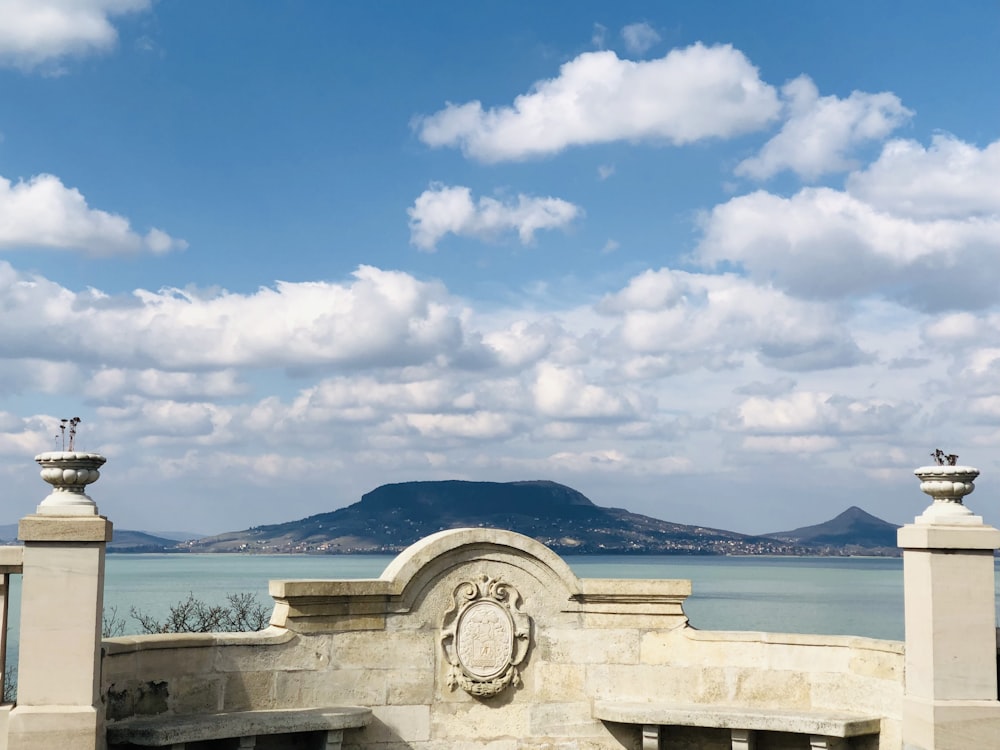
{"x": 721, "y": 263}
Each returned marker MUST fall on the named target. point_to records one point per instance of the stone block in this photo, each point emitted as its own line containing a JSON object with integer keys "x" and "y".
{"x": 48, "y": 727}
{"x": 857, "y": 693}
{"x": 951, "y": 725}
{"x": 775, "y": 688}
{"x": 336, "y": 687}
{"x": 481, "y": 720}
{"x": 404, "y": 650}
{"x": 549, "y": 682}
{"x": 564, "y": 720}
{"x": 196, "y": 694}
{"x": 171, "y": 662}
{"x": 397, "y": 724}
{"x": 38, "y": 528}
{"x": 305, "y": 652}
{"x": 409, "y": 687}
{"x": 682, "y": 684}
{"x": 881, "y": 665}
{"x": 581, "y": 647}
{"x": 247, "y": 691}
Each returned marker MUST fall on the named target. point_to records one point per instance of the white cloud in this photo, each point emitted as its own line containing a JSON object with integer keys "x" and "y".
{"x": 689, "y": 95}
{"x": 111, "y": 383}
{"x": 443, "y": 210}
{"x": 639, "y": 38}
{"x": 828, "y": 244}
{"x": 821, "y": 133}
{"x": 805, "y": 412}
{"x": 564, "y": 393}
{"x": 476, "y": 426}
{"x": 34, "y": 32}
{"x": 806, "y": 444}
{"x": 378, "y": 318}
{"x": 950, "y": 179}
{"x": 43, "y": 212}
{"x": 674, "y": 321}
{"x": 523, "y": 342}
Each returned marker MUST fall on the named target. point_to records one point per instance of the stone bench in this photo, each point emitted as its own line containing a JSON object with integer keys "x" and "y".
{"x": 827, "y": 730}
{"x": 176, "y": 732}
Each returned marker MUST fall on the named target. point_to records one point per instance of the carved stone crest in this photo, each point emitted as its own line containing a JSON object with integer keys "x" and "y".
{"x": 485, "y": 636}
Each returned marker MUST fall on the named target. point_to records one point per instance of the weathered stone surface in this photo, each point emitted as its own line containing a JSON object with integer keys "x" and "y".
{"x": 405, "y": 650}
{"x": 44, "y": 528}
{"x": 198, "y": 728}
{"x": 398, "y": 724}
{"x": 581, "y": 647}
{"x": 331, "y": 687}
{"x": 482, "y": 721}
{"x": 549, "y": 683}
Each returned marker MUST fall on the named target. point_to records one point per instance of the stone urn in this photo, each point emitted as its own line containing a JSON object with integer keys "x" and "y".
{"x": 69, "y": 472}
{"x": 947, "y": 485}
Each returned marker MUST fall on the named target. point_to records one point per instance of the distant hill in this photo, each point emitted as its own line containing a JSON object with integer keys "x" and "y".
{"x": 393, "y": 516}
{"x": 124, "y": 540}
{"x": 852, "y": 528}
{"x": 139, "y": 541}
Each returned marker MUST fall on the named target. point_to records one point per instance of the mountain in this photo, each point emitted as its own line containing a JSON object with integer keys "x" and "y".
{"x": 393, "y": 516}
{"x": 124, "y": 540}
{"x": 852, "y": 528}
{"x": 139, "y": 541}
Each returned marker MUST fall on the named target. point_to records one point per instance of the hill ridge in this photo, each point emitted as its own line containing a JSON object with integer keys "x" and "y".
{"x": 392, "y": 516}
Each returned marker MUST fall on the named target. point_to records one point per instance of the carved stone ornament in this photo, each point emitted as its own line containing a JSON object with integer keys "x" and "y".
{"x": 485, "y": 636}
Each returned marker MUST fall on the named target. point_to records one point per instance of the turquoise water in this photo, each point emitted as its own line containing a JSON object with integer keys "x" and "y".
{"x": 859, "y": 596}
{"x": 829, "y": 595}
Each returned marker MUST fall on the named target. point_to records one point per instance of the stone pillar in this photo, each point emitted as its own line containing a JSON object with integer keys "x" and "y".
{"x": 950, "y": 700}
{"x": 62, "y": 602}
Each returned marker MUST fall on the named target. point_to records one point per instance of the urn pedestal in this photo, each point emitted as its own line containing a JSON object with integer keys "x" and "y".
{"x": 69, "y": 472}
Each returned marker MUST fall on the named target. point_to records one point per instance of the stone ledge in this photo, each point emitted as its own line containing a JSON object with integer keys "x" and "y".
{"x": 852, "y": 642}
{"x": 931, "y": 536}
{"x": 166, "y": 731}
{"x": 269, "y": 636}
{"x": 825, "y": 723}
{"x": 42, "y": 528}
{"x": 11, "y": 558}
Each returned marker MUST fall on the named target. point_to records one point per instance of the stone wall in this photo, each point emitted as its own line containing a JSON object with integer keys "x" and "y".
{"x": 394, "y": 644}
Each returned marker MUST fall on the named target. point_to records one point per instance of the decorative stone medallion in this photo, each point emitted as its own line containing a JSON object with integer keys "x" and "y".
{"x": 485, "y": 636}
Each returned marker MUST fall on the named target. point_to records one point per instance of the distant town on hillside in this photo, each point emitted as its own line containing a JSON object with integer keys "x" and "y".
{"x": 393, "y": 516}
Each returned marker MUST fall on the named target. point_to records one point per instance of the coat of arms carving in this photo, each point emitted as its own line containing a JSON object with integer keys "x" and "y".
{"x": 485, "y": 636}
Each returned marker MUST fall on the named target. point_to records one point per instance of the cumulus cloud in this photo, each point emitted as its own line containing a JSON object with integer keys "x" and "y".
{"x": 675, "y": 321}
{"x": 113, "y": 383}
{"x": 564, "y": 393}
{"x": 443, "y": 210}
{"x": 34, "y": 32}
{"x": 804, "y": 412}
{"x": 42, "y": 212}
{"x": 639, "y": 38}
{"x": 828, "y": 244}
{"x": 820, "y": 133}
{"x": 951, "y": 179}
{"x": 689, "y": 95}
{"x": 378, "y": 318}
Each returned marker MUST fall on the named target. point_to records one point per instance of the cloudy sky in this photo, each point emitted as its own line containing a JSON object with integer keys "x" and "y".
{"x": 730, "y": 264}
